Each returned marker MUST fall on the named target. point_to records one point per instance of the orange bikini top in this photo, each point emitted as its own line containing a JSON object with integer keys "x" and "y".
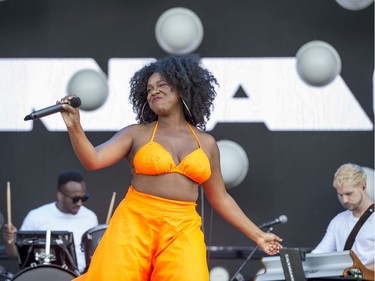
{"x": 153, "y": 159}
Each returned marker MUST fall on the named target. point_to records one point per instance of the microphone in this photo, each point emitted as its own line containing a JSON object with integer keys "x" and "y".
{"x": 75, "y": 102}
{"x": 280, "y": 219}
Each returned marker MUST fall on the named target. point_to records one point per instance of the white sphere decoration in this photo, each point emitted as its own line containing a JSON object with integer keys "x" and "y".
{"x": 355, "y": 5}
{"x": 234, "y": 163}
{"x": 318, "y": 63}
{"x": 179, "y": 31}
{"x": 90, "y": 86}
{"x": 219, "y": 273}
{"x": 370, "y": 182}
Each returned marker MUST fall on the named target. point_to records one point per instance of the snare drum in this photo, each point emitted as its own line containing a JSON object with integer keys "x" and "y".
{"x": 44, "y": 272}
{"x": 90, "y": 240}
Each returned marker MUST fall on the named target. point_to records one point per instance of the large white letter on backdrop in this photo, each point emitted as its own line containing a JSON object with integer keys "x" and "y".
{"x": 276, "y": 96}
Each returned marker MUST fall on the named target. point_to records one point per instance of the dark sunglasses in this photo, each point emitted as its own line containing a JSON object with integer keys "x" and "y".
{"x": 75, "y": 199}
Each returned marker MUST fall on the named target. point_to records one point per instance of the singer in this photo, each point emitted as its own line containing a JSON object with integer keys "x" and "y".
{"x": 155, "y": 232}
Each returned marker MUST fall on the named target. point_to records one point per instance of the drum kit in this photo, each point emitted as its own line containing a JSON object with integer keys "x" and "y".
{"x": 50, "y": 255}
{"x": 46, "y": 264}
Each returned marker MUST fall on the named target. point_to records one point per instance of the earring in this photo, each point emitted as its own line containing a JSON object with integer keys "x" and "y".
{"x": 187, "y": 108}
{"x": 143, "y": 108}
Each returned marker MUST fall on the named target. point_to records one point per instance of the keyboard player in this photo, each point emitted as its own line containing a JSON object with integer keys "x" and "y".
{"x": 352, "y": 229}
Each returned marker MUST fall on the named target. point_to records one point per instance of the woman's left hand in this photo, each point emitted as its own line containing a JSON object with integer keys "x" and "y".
{"x": 270, "y": 244}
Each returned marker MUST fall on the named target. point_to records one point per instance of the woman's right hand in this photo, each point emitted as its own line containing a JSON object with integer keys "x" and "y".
{"x": 70, "y": 115}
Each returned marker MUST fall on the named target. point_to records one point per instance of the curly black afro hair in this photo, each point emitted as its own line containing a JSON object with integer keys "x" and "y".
{"x": 195, "y": 84}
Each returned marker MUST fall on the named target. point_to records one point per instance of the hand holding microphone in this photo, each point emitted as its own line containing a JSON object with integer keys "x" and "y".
{"x": 74, "y": 102}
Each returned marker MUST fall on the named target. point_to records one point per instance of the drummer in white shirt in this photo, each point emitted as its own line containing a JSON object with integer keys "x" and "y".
{"x": 65, "y": 214}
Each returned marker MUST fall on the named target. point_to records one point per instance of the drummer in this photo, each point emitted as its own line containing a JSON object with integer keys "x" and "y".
{"x": 67, "y": 213}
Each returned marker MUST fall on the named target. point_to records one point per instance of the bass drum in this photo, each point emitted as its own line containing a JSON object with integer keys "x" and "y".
{"x": 90, "y": 240}
{"x": 44, "y": 272}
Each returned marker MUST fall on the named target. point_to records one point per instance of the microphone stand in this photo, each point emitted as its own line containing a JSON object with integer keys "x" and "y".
{"x": 234, "y": 277}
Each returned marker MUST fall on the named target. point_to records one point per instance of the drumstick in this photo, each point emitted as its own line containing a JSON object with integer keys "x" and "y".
{"x": 9, "y": 208}
{"x": 110, "y": 207}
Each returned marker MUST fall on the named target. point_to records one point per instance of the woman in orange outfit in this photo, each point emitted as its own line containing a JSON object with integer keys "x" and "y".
{"x": 155, "y": 233}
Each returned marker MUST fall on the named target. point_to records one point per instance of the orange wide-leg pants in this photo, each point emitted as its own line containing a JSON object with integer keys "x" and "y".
{"x": 150, "y": 239}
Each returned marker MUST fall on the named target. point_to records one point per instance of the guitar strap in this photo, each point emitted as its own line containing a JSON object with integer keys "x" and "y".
{"x": 350, "y": 241}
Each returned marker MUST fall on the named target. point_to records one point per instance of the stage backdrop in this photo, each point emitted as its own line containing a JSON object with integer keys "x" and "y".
{"x": 294, "y": 135}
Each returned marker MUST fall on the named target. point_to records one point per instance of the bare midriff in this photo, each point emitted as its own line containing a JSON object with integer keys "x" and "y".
{"x": 171, "y": 186}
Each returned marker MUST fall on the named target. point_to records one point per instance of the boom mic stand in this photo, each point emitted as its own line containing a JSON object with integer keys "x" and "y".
{"x": 234, "y": 277}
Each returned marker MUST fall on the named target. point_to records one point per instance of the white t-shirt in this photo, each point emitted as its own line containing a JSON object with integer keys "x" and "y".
{"x": 49, "y": 217}
{"x": 338, "y": 231}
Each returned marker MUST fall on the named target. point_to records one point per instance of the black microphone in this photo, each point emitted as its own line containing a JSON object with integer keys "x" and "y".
{"x": 280, "y": 219}
{"x": 75, "y": 102}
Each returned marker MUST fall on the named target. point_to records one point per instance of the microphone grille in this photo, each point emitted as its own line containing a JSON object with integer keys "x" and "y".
{"x": 75, "y": 102}
{"x": 283, "y": 218}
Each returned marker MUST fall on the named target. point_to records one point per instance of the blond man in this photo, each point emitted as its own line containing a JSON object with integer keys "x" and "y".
{"x": 350, "y": 184}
